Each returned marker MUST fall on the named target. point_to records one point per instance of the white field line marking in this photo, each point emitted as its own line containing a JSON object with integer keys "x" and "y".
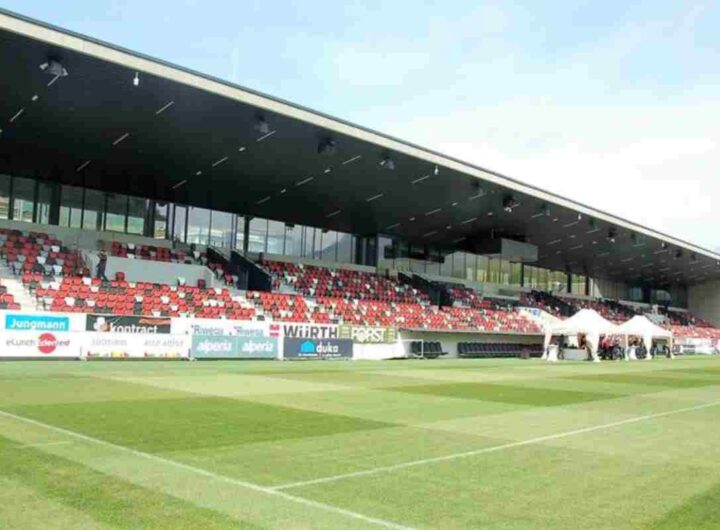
{"x": 492, "y": 449}
{"x": 203, "y": 472}
{"x": 44, "y": 444}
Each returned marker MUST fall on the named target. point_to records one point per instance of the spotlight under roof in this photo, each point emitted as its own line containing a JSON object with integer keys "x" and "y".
{"x": 387, "y": 163}
{"x": 510, "y": 203}
{"x": 54, "y": 68}
{"x": 261, "y": 125}
{"x": 326, "y": 147}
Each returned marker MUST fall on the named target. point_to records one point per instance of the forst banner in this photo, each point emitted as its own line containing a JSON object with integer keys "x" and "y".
{"x": 234, "y": 347}
{"x": 128, "y": 324}
{"x": 368, "y": 335}
{"x": 317, "y": 349}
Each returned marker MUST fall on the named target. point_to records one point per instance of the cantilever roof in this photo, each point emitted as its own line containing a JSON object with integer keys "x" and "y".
{"x": 185, "y": 137}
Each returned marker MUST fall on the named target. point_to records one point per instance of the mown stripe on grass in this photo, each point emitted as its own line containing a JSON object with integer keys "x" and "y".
{"x": 517, "y": 395}
{"x": 106, "y": 499}
{"x": 648, "y": 380}
{"x": 194, "y": 423}
{"x": 63, "y": 389}
{"x": 699, "y": 512}
{"x": 208, "y": 481}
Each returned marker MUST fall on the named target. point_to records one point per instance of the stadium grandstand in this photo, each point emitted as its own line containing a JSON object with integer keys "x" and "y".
{"x": 152, "y": 214}
{"x": 209, "y": 200}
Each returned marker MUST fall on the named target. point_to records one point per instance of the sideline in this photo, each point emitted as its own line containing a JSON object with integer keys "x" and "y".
{"x": 491, "y": 449}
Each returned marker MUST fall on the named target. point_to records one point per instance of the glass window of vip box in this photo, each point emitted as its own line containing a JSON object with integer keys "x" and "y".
{"x": 221, "y": 229}
{"x": 5, "y": 196}
{"x": 71, "y": 206}
{"x": 45, "y": 191}
{"x": 198, "y": 227}
{"x": 179, "y": 222}
{"x": 23, "y": 199}
{"x": 257, "y": 235}
{"x": 275, "y": 237}
{"x": 160, "y": 220}
{"x": 116, "y": 212}
{"x": 137, "y": 214}
{"x": 93, "y": 209}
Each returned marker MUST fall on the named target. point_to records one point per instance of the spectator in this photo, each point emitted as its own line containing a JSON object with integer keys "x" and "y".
{"x": 101, "y": 265}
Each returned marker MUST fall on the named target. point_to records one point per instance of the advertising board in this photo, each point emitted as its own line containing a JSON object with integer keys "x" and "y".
{"x": 128, "y": 324}
{"x": 43, "y": 344}
{"x": 135, "y": 346}
{"x": 234, "y": 347}
{"x": 319, "y": 349}
{"x": 368, "y": 335}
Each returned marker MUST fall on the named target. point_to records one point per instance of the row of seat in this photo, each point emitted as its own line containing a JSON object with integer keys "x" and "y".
{"x": 7, "y": 300}
{"x": 315, "y": 281}
{"x": 427, "y": 349}
{"x": 466, "y": 297}
{"x": 92, "y": 295}
{"x": 152, "y": 253}
{"x": 498, "y": 350}
{"x": 25, "y": 251}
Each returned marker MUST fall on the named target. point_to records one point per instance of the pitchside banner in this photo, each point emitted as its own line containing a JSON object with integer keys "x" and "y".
{"x": 233, "y": 347}
{"x": 368, "y": 335}
{"x": 135, "y": 346}
{"x": 310, "y": 331}
{"x": 210, "y": 327}
{"x": 322, "y": 349}
{"x": 127, "y": 324}
{"x": 44, "y": 344}
{"x": 41, "y": 321}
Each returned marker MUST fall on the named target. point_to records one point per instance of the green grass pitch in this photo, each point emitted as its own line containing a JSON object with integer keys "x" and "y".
{"x": 498, "y": 444}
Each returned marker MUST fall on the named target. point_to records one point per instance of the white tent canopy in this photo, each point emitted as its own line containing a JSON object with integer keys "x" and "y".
{"x": 584, "y": 321}
{"x": 641, "y": 326}
{"x": 587, "y": 322}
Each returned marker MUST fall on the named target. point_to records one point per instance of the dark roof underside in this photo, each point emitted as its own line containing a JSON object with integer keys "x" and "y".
{"x": 171, "y": 141}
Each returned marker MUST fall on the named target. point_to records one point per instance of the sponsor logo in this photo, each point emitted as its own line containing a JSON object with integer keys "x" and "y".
{"x": 47, "y": 343}
{"x": 220, "y": 330}
{"x": 368, "y": 335}
{"x": 214, "y": 346}
{"x": 318, "y": 348}
{"x": 127, "y": 324}
{"x": 274, "y": 330}
{"x": 252, "y": 347}
{"x": 15, "y": 322}
{"x": 310, "y": 331}
{"x": 234, "y": 347}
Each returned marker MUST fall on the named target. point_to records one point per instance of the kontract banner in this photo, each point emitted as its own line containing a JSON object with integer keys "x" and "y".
{"x": 319, "y": 349}
{"x": 128, "y": 324}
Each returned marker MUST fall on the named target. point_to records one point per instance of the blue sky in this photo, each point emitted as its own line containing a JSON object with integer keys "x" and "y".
{"x": 614, "y": 103}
